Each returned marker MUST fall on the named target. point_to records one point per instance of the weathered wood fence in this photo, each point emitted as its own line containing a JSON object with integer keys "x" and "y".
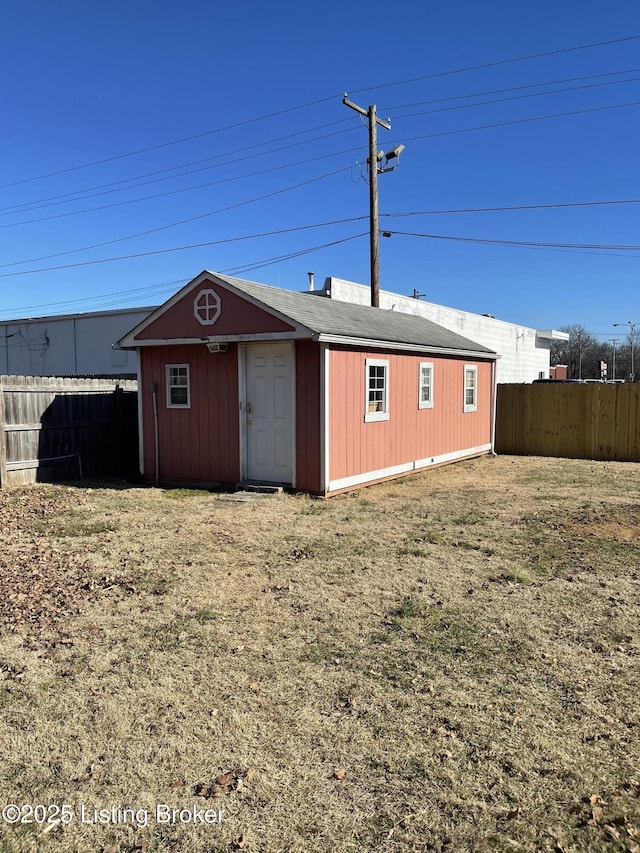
{"x": 55, "y": 429}
{"x": 581, "y": 421}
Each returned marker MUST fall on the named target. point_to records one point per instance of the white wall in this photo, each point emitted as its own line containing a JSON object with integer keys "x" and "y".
{"x": 77, "y": 344}
{"x": 524, "y": 353}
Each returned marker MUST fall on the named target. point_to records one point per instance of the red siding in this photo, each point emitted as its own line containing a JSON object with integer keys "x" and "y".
{"x": 202, "y": 442}
{"x": 411, "y": 433}
{"x": 237, "y": 317}
{"x": 308, "y": 426}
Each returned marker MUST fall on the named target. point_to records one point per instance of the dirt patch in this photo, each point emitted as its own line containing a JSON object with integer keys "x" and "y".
{"x": 447, "y": 662}
{"x": 619, "y": 523}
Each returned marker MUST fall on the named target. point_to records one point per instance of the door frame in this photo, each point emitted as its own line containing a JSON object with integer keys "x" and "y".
{"x": 243, "y": 350}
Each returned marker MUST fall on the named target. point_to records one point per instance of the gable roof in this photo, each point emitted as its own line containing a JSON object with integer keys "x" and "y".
{"x": 322, "y": 319}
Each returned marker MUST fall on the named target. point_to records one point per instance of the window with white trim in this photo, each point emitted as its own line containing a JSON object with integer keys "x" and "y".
{"x": 425, "y": 385}
{"x": 376, "y": 402}
{"x": 470, "y": 388}
{"x": 178, "y": 386}
{"x": 206, "y": 307}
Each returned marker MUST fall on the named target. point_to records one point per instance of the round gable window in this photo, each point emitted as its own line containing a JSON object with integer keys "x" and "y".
{"x": 206, "y": 307}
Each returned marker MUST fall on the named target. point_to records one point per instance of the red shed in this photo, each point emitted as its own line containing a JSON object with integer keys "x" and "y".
{"x": 244, "y": 383}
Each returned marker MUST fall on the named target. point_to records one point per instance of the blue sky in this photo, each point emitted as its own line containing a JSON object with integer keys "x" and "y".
{"x": 253, "y": 91}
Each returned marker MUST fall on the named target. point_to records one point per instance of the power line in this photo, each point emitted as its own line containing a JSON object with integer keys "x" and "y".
{"x": 88, "y": 192}
{"x": 524, "y": 243}
{"x": 162, "y": 195}
{"x": 510, "y": 89}
{"x": 180, "y": 222}
{"x": 265, "y": 262}
{"x": 495, "y": 64}
{"x": 168, "y": 144}
{"x": 315, "y": 102}
{"x": 410, "y": 139}
{"x": 517, "y": 98}
{"x": 181, "y": 248}
{"x": 137, "y": 292}
{"x": 553, "y": 206}
{"x": 521, "y": 121}
{"x": 510, "y": 208}
{"x": 280, "y": 258}
{"x": 81, "y": 195}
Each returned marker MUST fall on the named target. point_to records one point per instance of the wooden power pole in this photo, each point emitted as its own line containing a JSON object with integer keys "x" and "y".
{"x": 374, "y": 252}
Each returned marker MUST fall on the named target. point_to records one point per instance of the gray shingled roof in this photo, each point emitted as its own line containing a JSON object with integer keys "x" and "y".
{"x": 327, "y": 317}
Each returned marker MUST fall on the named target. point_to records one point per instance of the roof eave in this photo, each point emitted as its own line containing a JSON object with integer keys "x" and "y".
{"x": 407, "y": 347}
{"x": 552, "y": 335}
{"x": 295, "y": 335}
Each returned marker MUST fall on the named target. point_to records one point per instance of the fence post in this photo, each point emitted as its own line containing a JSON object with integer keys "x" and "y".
{"x": 3, "y": 441}
{"x": 117, "y": 407}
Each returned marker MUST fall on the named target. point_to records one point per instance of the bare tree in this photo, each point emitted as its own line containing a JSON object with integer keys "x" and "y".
{"x": 582, "y": 353}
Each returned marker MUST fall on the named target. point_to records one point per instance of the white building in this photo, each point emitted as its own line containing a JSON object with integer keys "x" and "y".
{"x": 69, "y": 345}
{"x": 81, "y": 344}
{"x": 524, "y": 353}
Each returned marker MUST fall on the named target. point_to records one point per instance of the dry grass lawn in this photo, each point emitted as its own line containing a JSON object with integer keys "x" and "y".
{"x": 448, "y": 662}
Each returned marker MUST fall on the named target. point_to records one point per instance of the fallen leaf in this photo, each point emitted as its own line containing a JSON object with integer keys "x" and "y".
{"x": 613, "y": 832}
{"x": 596, "y": 816}
{"x": 86, "y": 776}
{"x": 340, "y": 773}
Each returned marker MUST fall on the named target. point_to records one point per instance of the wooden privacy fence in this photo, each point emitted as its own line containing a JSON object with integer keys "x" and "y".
{"x": 66, "y": 428}
{"x": 582, "y": 421}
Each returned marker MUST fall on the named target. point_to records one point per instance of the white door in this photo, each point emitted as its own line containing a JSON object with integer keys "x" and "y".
{"x": 268, "y": 413}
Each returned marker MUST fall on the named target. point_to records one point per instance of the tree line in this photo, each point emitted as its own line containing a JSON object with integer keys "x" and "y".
{"x": 584, "y": 354}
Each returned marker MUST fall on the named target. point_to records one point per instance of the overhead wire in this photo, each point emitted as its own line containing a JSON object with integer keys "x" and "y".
{"x": 503, "y": 208}
{"x": 169, "y": 192}
{"x": 290, "y": 255}
{"x": 183, "y": 248}
{"x": 520, "y": 121}
{"x": 131, "y": 293}
{"x": 180, "y": 222}
{"x": 125, "y": 184}
{"x": 552, "y": 206}
{"x": 517, "y": 98}
{"x": 522, "y": 243}
{"x": 409, "y": 139}
{"x": 495, "y": 64}
{"x": 315, "y": 102}
{"x": 65, "y": 199}
{"x": 509, "y": 89}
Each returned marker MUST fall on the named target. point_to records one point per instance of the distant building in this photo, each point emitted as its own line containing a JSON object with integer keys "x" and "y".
{"x": 559, "y": 371}
{"x": 524, "y": 354}
{"x": 68, "y": 345}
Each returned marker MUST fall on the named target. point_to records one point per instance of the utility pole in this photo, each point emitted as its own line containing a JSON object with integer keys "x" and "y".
{"x": 579, "y": 355}
{"x": 632, "y": 337}
{"x": 614, "y": 342}
{"x": 374, "y": 254}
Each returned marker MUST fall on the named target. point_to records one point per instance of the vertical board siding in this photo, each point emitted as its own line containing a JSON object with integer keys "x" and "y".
{"x": 62, "y": 428}
{"x": 201, "y": 443}
{"x": 308, "y": 427}
{"x": 411, "y": 433}
{"x": 581, "y": 421}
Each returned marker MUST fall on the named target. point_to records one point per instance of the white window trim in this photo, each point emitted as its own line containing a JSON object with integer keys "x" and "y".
{"x": 206, "y": 314}
{"x": 171, "y": 405}
{"x": 370, "y": 417}
{"x": 425, "y": 404}
{"x": 472, "y": 407}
